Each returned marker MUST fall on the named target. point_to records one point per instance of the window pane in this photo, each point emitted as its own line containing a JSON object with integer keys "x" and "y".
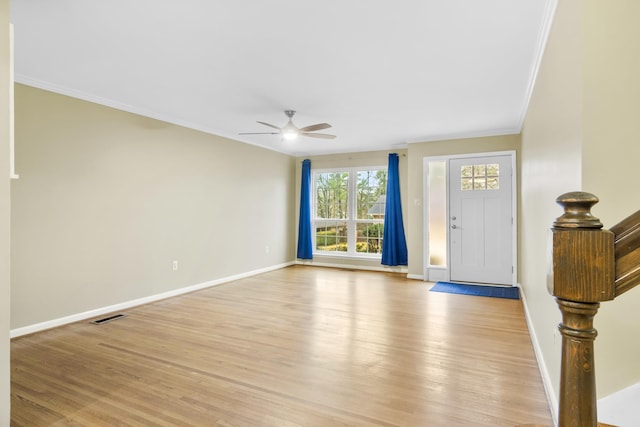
{"x": 370, "y": 194}
{"x": 466, "y": 184}
{"x": 483, "y": 177}
{"x": 437, "y": 208}
{"x": 331, "y": 195}
{"x": 331, "y": 236}
{"x": 493, "y": 183}
{"x": 369, "y": 238}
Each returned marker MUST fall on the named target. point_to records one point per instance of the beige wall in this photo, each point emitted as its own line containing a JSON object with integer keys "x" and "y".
{"x": 581, "y": 133}
{"x": 611, "y": 153}
{"x": 551, "y": 152}
{"x": 369, "y": 158}
{"x": 106, "y": 200}
{"x": 5, "y": 210}
{"x": 417, "y": 152}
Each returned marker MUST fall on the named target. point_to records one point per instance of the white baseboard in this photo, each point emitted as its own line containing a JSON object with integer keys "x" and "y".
{"x": 552, "y": 399}
{"x": 621, "y": 407}
{"x": 415, "y": 276}
{"x": 140, "y": 301}
{"x": 354, "y": 266}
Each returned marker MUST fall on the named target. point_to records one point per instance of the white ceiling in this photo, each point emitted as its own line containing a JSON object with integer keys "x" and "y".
{"x": 383, "y": 73}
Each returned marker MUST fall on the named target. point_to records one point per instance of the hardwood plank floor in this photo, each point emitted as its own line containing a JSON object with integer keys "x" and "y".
{"x": 300, "y": 346}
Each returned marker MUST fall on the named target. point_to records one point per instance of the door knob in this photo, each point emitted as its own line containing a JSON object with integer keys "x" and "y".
{"x": 453, "y": 218}
{"x": 454, "y": 226}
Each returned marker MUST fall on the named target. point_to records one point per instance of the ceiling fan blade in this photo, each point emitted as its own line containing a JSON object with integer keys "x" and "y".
{"x": 318, "y": 135}
{"x": 319, "y": 126}
{"x": 270, "y": 125}
{"x": 259, "y": 133}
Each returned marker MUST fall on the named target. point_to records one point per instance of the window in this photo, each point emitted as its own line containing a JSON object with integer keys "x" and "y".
{"x": 349, "y": 209}
{"x": 480, "y": 177}
{"x": 437, "y": 212}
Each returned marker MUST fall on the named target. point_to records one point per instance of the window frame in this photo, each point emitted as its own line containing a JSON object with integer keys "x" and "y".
{"x": 352, "y": 221}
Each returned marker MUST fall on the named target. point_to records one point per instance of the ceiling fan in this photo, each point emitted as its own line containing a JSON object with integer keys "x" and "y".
{"x": 291, "y": 131}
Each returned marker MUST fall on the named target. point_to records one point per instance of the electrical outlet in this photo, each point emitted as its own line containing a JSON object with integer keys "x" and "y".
{"x": 266, "y": 249}
{"x": 174, "y": 265}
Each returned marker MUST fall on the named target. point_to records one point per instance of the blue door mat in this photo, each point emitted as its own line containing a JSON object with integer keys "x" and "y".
{"x": 511, "y": 292}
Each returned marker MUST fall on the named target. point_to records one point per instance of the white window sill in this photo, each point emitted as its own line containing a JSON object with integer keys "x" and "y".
{"x": 350, "y": 256}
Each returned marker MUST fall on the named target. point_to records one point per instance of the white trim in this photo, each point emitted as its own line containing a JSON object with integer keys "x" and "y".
{"x": 12, "y": 119}
{"x": 436, "y": 274}
{"x": 133, "y": 303}
{"x": 466, "y": 135}
{"x": 415, "y": 277}
{"x": 621, "y": 407}
{"x": 352, "y": 221}
{"x": 514, "y": 207}
{"x": 63, "y": 90}
{"x": 472, "y": 155}
{"x": 426, "y": 254}
{"x": 552, "y": 399}
{"x": 398, "y": 269}
{"x": 545, "y": 29}
{"x": 352, "y": 257}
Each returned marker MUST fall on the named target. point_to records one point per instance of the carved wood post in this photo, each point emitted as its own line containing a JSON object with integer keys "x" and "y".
{"x": 582, "y": 275}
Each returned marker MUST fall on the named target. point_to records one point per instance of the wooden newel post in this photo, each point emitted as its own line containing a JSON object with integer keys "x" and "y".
{"x": 582, "y": 275}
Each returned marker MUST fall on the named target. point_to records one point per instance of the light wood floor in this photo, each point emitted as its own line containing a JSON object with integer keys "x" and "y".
{"x": 301, "y": 346}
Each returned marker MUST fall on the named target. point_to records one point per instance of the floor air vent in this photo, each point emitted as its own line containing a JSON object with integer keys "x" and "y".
{"x": 107, "y": 319}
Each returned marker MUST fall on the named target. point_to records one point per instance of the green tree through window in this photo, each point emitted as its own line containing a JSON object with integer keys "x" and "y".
{"x": 349, "y": 210}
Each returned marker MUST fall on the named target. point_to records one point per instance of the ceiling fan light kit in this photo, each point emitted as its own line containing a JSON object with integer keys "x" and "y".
{"x": 291, "y": 132}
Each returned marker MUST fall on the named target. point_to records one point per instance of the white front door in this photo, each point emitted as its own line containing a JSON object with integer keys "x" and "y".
{"x": 481, "y": 220}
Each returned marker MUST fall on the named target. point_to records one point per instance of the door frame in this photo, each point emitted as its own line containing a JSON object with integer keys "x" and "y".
{"x": 436, "y": 273}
